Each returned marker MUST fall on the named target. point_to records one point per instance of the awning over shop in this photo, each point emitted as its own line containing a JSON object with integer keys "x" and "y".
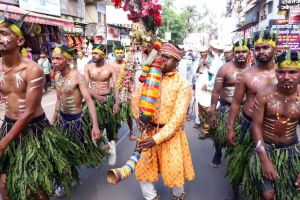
{"x": 14, "y": 12}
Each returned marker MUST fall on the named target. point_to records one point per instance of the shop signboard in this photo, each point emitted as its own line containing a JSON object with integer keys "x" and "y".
{"x": 113, "y": 33}
{"x": 287, "y": 4}
{"x": 288, "y": 34}
{"x": 294, "y": 17}
{"x": 50, "y": 7}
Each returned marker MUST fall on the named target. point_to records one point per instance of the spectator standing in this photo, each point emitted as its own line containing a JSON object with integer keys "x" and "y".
{"x": 45, "y": 64}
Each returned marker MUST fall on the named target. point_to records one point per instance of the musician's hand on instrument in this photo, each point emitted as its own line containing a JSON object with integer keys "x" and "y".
{"x": 147, "y": 143}
{"x": 140, "y": 125}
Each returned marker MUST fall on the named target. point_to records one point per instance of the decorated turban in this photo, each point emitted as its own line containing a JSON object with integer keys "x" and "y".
{"x": 289, "y": 59}
{"x": 171, "y": 50}
{"x": 265, "y": 37}
{"x": 99, "y": 49}
{"x": 118, "y": 49}
{"x": 242, "y": 45}
{"x": 16, "y": 26}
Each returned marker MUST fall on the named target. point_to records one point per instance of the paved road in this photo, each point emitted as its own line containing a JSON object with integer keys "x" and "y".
{"x": 210, "y": 183}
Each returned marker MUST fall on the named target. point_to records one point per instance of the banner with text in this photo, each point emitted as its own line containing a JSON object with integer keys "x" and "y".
{"x": 51, "y": 7}
{"x": 288, "y": 34}
{"x": 287, "y": 4}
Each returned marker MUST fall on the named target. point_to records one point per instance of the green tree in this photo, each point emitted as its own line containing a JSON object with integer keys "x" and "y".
{"x": 190, "y": 15}
{"x": 168, "y": 4}
{"x": 172, "y": 22}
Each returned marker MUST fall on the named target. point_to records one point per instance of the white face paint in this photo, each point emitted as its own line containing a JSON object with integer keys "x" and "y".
{"x": 5, "y": 40}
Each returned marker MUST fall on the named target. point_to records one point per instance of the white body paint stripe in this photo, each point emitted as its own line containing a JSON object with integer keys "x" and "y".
{"x": 37, "y": 79}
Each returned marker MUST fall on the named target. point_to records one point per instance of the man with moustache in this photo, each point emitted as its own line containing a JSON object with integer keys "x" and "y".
{"x": 25, "y": 127}
{"x": 119, "y": 66}
{"x": 228, "y": 53}
{"x": 202, "y": 94}
{"x": 274, "y": 129}
{"x": 71, "y": 88}
{"x": 248, "y": 83}
{"x": 165, "y": 148}
{"x": 223, "y": 92}
{"x": 101, "y": 77}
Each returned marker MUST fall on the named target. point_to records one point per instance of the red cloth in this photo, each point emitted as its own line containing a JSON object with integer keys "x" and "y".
{"x": 171, "y": 50}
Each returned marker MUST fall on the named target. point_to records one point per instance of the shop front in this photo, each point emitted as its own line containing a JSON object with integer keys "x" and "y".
{"x": 42, "y": 32}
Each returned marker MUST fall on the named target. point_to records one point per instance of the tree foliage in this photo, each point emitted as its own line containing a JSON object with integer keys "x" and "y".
{"x": 174, "y": 23}
{"x": 188, "y": 21}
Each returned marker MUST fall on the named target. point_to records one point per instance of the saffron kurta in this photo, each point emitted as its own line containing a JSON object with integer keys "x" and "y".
{"x": 171, "y": 156}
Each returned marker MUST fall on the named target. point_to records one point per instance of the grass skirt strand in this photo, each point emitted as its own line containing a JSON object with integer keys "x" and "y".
{"x": 287, "y": 162}
{"x": 78, "y": 131}
{"x": 239, "y": 156}
{"x": 106, "y": 117}
{"x": 218, "y": 134}
{"x": 125, "y": 112}
{"x": 37, "y": 160}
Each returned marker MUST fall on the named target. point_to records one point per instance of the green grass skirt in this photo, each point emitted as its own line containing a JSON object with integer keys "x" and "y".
{"x": 38, "y": 160}
{"x": 106, "y": 118}
{"x": 79, "y": 132}
{"x": 287, "y": 162}
{"x": 239, "y": 156}
{"x": 218, "y": 134}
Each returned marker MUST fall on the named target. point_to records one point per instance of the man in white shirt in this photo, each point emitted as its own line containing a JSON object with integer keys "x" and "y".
{"x": 202, "y": 92}
{"x": 82, "y": 60}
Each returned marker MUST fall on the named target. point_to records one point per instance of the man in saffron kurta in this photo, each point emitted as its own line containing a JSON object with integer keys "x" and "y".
{"x": 166, "y": 149}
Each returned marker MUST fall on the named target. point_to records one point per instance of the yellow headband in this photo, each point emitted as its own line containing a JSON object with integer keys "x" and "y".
{"x": 99, "y": 51}
{"x": 260, "y": 41}
{"x": 119, "y": 51}
{"x": 241, "y": 48}
{"x": 14, "y": 29}
{"x": 289, "y": 64}
{"x": 66, "y": 54}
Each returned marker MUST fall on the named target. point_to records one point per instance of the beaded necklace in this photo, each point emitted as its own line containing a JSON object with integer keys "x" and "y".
{"x": 292, "y": 112}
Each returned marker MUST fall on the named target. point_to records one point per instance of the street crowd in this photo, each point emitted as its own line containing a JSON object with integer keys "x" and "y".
{"x": 244, "y": 96}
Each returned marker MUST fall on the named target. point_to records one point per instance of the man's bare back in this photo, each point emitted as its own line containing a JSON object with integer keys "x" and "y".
{"x": 16, "y": 84}
{"x": 68, "y": 92}
{"x": 100, "y": 78}
{"x": 250, "y": 81}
